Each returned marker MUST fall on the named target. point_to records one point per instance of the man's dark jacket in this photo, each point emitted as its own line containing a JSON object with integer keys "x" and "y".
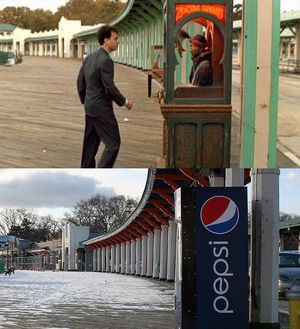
{"x": 201, "y": 71}
{"x": 95, "y": 85}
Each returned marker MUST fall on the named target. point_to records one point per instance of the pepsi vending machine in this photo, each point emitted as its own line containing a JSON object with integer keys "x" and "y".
{"x": 212, "y": 254}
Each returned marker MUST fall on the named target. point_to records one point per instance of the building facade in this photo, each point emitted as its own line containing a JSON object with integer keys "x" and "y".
{"x": 72, "y": 236}
{"x": 58, "y": 43}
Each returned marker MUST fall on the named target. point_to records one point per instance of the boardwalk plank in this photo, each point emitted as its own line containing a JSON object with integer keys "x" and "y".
{"x": 42, "y": 121}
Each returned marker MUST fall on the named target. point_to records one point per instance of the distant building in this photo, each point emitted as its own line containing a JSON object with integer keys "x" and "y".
{"x": 6, "y": 37}
{"x": 58, "y": 43}
{"x": 290, "y": 234}
{"x": 7, "y": 30}
{"x": 289, "y": 36}
{"x": 12, "y": 249}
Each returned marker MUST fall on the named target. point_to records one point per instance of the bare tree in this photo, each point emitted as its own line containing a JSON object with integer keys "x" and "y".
{"x": 102, "y": 214}
{"x": 13, "y": 217}
{"x": 23, "y": 223}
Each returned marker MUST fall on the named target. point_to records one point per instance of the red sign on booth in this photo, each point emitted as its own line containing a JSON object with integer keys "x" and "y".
{"x": 182, "y": 10}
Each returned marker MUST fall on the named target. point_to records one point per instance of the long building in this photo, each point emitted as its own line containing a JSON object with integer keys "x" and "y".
{"x": 58, "y": 43}
{"x": 141, "y": 35}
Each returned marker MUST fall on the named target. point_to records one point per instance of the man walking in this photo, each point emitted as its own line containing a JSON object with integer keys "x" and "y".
{"x": 97, "y": 91}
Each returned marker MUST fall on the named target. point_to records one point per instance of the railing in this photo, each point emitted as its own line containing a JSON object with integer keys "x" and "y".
{"x": 290, "y": 66}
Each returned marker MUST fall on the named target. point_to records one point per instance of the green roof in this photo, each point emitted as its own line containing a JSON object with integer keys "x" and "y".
{"x": 87, "y": 32}
{"x": 289, "y": 223}
{"x": 7, "y": 28}
{"x": 48, "y": 37}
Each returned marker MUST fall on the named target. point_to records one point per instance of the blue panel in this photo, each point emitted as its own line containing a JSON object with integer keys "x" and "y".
{"x": 222, "y": 258}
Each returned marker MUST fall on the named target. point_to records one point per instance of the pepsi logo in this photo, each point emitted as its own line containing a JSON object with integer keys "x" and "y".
{"x": 219, "y": 215}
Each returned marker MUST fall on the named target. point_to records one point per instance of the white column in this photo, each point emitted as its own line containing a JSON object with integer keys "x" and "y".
{"x": 118, "y": 258}
{"x": 128, "y": 244}
{"x": 144, "y": 256}
{"x": 156, "y": 254}
{"x": 297, "y": 42}
{"x": 281, "y": 49}
{"x": 30, "y": 48}
{"x": 288, "y": 51}
{"x": 171, "y": 251}
{"x": 113, "y": 258}
{"x": 281, "y": 242}
{"x": 163, "y": 252}
{"x": 234, "y": 177}
{"x": 264, "y": 246}
{"x": 123, "y": 257}
{"x": 98, "y": 259}
{"x": 41, "y": 48}
{"x": 132, "y": 258}
{"x": 150, "y": 255}
{"x": 138, "y": 245}
{"x": 134, "y": 47}
{"x": 80, "y": 54}
{"x": 94, "y": 260}
{"x": 139, "y": 61}
{"x": 103, "y": 259}
{"x": 107, "y": 269}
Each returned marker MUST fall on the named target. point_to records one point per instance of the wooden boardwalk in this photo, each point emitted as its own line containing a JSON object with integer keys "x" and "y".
{"x": 42, "y": 120}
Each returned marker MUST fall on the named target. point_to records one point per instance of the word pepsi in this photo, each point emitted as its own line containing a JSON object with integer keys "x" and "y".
{"x": 222, "y": 272}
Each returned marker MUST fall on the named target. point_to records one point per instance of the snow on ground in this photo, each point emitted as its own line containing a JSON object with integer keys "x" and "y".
{"x": 84, "y": 300}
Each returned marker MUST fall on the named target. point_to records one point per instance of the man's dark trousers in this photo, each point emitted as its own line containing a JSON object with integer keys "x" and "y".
{"x": 98, "y": 129}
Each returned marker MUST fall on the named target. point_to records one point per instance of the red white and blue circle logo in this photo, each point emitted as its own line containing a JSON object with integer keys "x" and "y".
{"x": 219, "y": 215}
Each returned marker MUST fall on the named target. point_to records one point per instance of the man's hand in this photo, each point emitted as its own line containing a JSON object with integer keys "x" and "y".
{"x": 129, "y": 104}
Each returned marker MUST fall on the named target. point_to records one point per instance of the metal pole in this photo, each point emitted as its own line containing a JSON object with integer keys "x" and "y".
{"x": 7, "y": 244}
{"x": 11, "y": 255}
{"x": 264, "y": 249}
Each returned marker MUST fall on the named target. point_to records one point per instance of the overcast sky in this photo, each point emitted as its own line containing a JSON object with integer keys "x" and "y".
{"x": 55, "y": 191}
{"x": 54, "y": 4}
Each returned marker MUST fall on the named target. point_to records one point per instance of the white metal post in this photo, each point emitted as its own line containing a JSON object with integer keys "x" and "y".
{"x": 163, "y": 252}
{"x": 128, "y": 244}
{"x": 132, "y": 258}
{"x": 138, "y": 257}
{"x": 144, "y": 255}
{"x": 113, "y": 258}
{"x": 150, "y": 255}
{"x": 98, "y": 259}
{"x": 171, "y": 251}
{"x": 156, "y": 254}
{"x": 123, "y": 258}
{"x": 118, "y": 258}
{"x": 264, "y": 247}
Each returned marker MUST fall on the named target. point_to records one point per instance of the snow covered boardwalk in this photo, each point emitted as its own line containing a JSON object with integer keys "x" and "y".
{"x": 84, "y": 300}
